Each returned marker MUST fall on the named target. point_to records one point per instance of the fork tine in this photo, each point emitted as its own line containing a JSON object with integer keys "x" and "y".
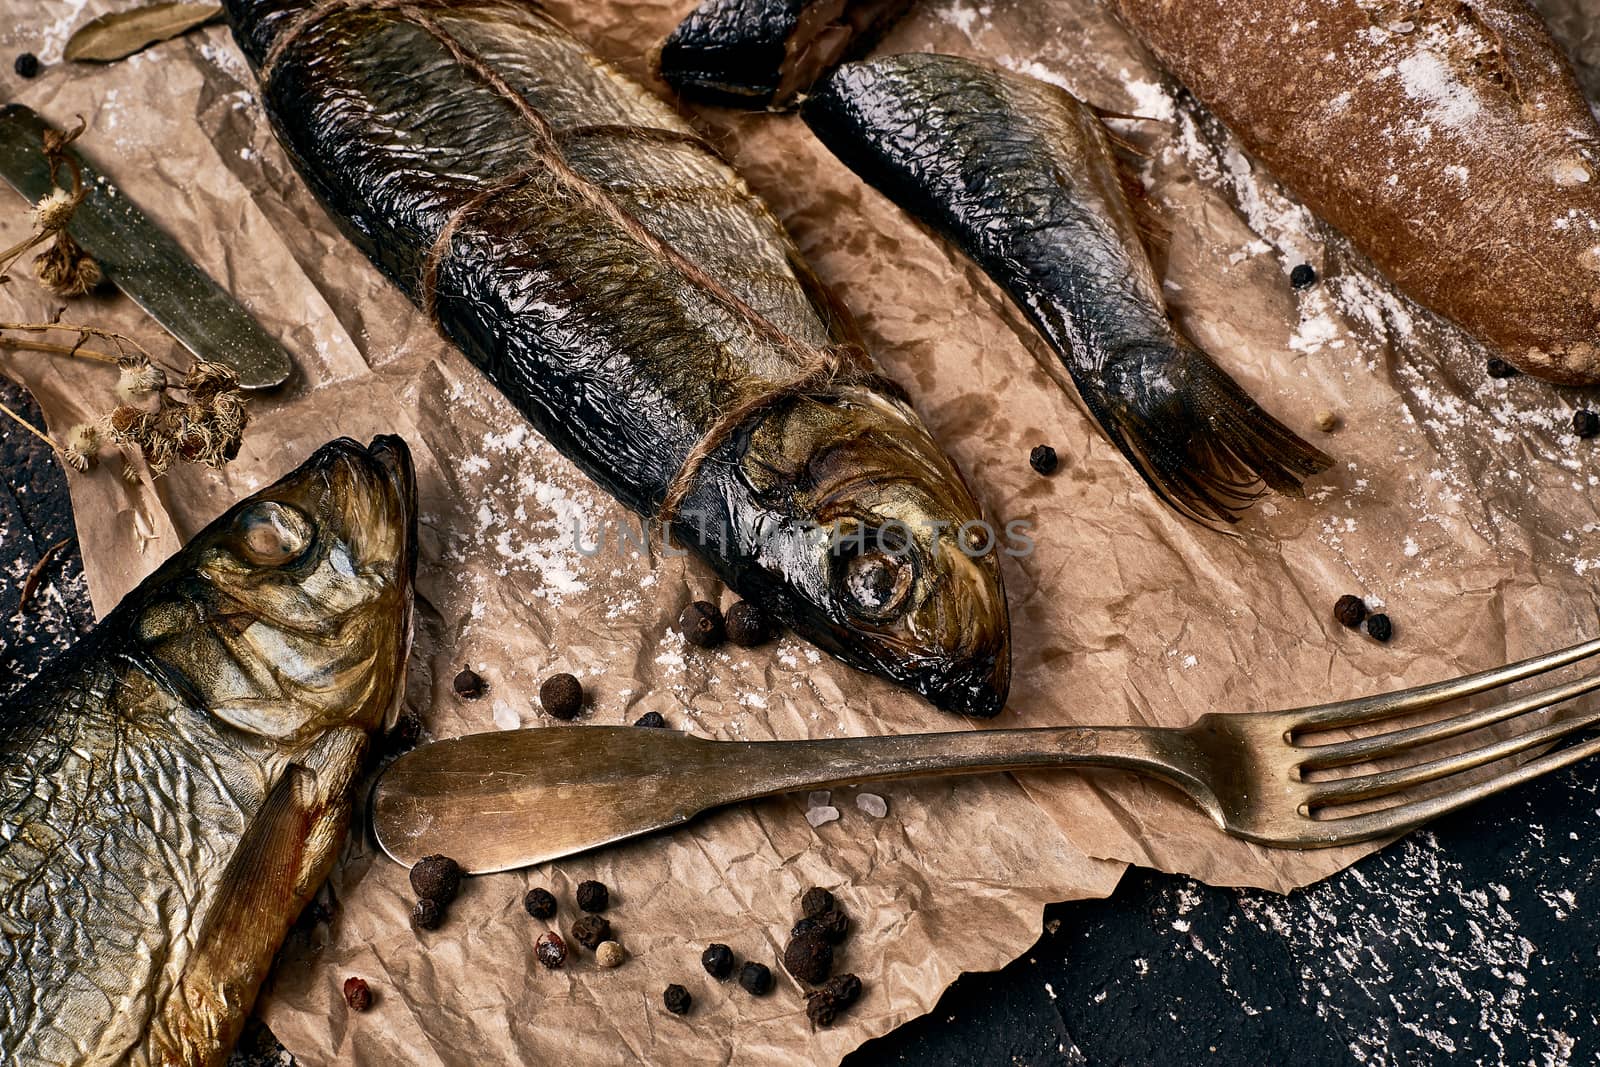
{"x": 1384, "y": 783}
{"x": 1402, "y": 817}
{"x": 1384, "y": 705}
{"x": 1395, "y": 742}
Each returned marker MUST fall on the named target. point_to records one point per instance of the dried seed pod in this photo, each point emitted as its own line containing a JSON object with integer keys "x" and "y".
{"x": 427, "y": 915}
{"x": 593, "y": 896}
{"x": 356, "y": 994}
{"x": 755, "y": 978}
{"x": 815, "y": 901}
{"x": 746, "y": 625}
{"x": 809, "y": 958}
{"x": 701, "y": 624}
{"x": 65, "y": 268}
{"x": 540, "y": 903}
{"x": 590, "y": 930}
{"x": 1349, "y": 611}
{"x": 677, "y": 999}
{"x": 561, "y": 696}
{"x": 436, "y": 878}
{"x": 717, "y": 959}
{"x": 550, "y": 949}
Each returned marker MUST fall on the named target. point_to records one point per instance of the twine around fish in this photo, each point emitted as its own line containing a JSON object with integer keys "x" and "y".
{"x": 819, "y": 367}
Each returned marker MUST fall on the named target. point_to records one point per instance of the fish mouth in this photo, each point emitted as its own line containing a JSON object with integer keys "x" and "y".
{"x": 976, "y": 686}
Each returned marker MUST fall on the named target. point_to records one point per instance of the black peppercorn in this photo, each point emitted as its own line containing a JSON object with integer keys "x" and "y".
{"x": 436, "y": 878}
{"x": 26, "y": 65}
{"x": 717, "y": 960}
{"x": 809, "y": 958}
{"x": 701, "y": 624}
{"x": 1585, "y": 423}
{"x": 815, "y": 901}
{"x": 428, "y": 914}
{"x": 1043, "y": 459}
{"x": 1304, "y": 276}
{"x": 1499, "y": 368}
{"x": 590, "y": 930}
{"x": 824, "y": 1005}
{"x": 593, "y": 896}
{"x": 356, "y": 994}
{"x": 1349, "y": 611}
{"x": 755, "y": 978}
{"x": 1379, "y": 628}
{"x": 469, "y": 684}
{"x": 746, "y": 625}
{"x": 550, "y": 949}
{"x": 651, "y": 720}
{"x": 677, "y": 999}
{"x": 561, "y": 696}
{"x": 540, "y": 903}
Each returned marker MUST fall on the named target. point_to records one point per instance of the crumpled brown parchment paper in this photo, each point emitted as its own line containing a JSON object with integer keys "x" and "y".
{"x": 1462, "y": 505}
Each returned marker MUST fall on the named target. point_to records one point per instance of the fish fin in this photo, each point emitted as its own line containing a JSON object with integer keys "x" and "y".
{"x": 1155, "y": 234}
{"x": 1203, "y": 445}
{"x": 1104, "y": 113}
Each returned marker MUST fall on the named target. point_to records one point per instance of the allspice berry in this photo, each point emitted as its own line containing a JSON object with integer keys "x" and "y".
{"x": 427, "y": 915}
{"x": 746, "y": 625}
{"x": 356, "y": 994}
{"x": 824, "y": 1005}
{"x": 1499, "y": 368}
{"x": 540, "y": 903}
{"x": 469, "y": 684}
{"x": 815, "y": 901}
{"x": 831, "y": 926}
{"x": 1043, "y": 459}
{"x": 590, "y": 930}
{"x": 651, "y": 720}
{"x": 550, "y": 949}
{"x": 677, "y": 999}
{"x": 436, "y": 878}
{"x": 1326, "y": 421}
{"x": 701, "y": 624}
{"x": 593, "y": 896}
{"x": 1585, "y": 423}
{"x": 717, "y": 960}
{"x": 755, "y": 978}
{"x": 561, "y": 696}
{"x": 809, "y": 958}
{"x": 1349, "y": 611}
{"x": 1379, "y": 628}
{"x": 610, "y": 954}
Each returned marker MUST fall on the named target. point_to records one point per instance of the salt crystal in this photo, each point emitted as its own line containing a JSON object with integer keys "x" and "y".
{"x": 818, "y": 798}
{"x": 872, "y": 804}
{"x": 817, "y": 816}
{"x": 505, "y": 716}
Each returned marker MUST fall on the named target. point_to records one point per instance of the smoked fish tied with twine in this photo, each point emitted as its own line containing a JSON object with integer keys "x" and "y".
{"x": 620, "y": 284}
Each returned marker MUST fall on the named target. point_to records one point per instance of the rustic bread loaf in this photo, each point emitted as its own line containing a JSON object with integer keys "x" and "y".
{"x": 1448, "y": 139}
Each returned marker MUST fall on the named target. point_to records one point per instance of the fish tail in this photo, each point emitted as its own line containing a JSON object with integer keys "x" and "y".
{"x": 1198, "y": 439}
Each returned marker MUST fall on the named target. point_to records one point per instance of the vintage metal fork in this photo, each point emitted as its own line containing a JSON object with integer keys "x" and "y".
{"x": 489, "y": 799}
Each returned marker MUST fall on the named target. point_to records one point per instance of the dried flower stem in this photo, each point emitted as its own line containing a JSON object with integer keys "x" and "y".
{"x": 31, "y": 428}
{"x": 122, "y": 342}
{"x": 60, "y": 350}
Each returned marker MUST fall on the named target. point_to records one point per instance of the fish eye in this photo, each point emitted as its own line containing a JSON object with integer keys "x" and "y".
{"x": 877, "y": 583}
{"x": 273, "y": 534}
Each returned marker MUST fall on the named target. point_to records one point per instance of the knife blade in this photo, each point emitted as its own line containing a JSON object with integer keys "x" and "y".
{"x": 144, "y": 262}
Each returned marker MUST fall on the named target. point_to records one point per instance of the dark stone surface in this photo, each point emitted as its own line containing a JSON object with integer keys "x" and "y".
{"x": 1471, "y": 942}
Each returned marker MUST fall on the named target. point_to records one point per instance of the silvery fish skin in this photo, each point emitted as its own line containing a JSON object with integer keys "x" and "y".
{"x": 175, "y": 787}
{"x": 1022, "y": 177}
{"x": 614, "y": 351}
{"x": 763, "y": 53}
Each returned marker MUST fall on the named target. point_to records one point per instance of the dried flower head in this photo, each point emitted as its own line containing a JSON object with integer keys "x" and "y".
{"x": 138, "y": 380}
{"x": 54, "y": 211}
{"x": 65, "y": 268}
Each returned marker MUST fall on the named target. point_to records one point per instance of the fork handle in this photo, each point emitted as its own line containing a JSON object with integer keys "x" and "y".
{"x": 769, "y": 767}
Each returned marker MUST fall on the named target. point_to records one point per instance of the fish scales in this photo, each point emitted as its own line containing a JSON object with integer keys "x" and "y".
{"x": 1025, "y": 180}
{"x": 624, "y": 288}
{"x": 174, "y": 788}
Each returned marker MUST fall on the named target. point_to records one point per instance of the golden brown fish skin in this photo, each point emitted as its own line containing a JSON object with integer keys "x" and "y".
{"x": 174, "y": 788}
{"x": 614, "y": 350}
{"x": 1448, "y": 140}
